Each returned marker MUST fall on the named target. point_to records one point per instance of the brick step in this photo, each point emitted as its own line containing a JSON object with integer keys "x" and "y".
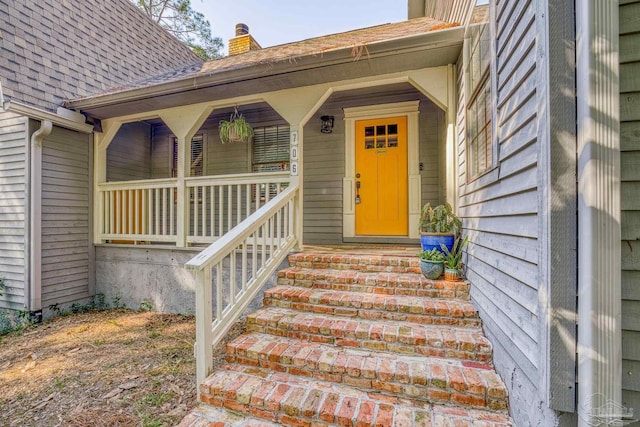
{"x": 371, "y": 306}
{"x": 208, "y": 416}
{"x": 411, "y": 284}
{"x": 435, "y": 380}
{"x": 291, "y": 400}
{"x": 360, "y": 262}
{"x": 398, "y": 337}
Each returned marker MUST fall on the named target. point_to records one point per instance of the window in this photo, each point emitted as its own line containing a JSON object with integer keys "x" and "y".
{"x": 196, "y": 159}
{"x": 270, "y": 154}
{"x": 271, "y": 149}
{"x": 480, "y": 141}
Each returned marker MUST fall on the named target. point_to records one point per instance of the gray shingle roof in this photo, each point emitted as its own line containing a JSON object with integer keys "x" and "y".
{"x": 52, "y": 50}
{"x": 357, "y": 40}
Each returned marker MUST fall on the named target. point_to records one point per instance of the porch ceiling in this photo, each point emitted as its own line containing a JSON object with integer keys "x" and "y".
{"x": 394, "y": 56}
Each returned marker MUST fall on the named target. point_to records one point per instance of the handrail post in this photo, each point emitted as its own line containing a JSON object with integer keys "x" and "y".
{"x": 204, "y": 321}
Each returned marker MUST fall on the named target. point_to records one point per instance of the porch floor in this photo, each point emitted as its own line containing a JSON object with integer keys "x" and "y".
{"x": 355, "y": 335}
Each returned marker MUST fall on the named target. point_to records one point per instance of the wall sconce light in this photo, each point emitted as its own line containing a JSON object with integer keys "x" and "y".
{"x": 327, "y": 124}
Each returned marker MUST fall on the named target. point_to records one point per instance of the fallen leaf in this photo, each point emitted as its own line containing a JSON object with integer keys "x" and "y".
{"x": 116, "y": 391}
{"x": 28, "y": 366}
{"x": 129, "y": 385}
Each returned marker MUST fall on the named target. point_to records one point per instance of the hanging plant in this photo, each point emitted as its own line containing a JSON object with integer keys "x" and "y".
{"x": 236, "y": 129}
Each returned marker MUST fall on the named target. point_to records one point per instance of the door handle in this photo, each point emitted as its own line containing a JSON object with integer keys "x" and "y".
{"x": 358, "y": 200}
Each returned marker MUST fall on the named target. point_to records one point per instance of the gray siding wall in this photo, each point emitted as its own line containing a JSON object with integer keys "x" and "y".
{"x": 630, "y": 174}
{"x": 220, "y": 159}
{"x": 67, "y": 251}
{"x": 500, "y": 215}
{"x": 324, "y": 159}
{"x": 129, "y": 154}
{"x": 13, "y": 183}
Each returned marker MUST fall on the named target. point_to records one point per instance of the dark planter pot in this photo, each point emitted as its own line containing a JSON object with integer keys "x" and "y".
{"x": 430, "y": 241}
{"x": 452, "y": 274}
{"x": 431, "y": 269}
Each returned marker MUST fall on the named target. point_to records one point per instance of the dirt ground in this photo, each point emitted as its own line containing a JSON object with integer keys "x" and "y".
{"x": 109, "y": 368}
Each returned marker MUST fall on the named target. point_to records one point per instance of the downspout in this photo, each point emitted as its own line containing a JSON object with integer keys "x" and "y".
{"x": 599, "y": 272}
{"x": 35, "y": 222}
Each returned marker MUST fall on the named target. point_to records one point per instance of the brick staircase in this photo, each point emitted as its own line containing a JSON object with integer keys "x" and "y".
{"x": 357, "y": 339}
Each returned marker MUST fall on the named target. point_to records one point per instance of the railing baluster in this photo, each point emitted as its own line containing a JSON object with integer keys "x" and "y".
{"x": 204, "y": 210}
{"x": 212, "y": 211}
{"x": 129, "y": 208}
{"x": 248, "y": 200}
{"x": 172, "y": 212}
{"x": 254, "y": 255}
{"x": 157, "y": 211}
{"x": 163, "y": 208}
{"x": 238, "y": 204}
{"x": 232, "y": 278}
{"x": 264, "y": 244}
{"x": 243, "y": 285}
{"x": 219, "y": 290}
{"x": 195, "y": 210}
{"x": 136, "y": 213}
{"x": 150, "y": 210}
{"x": 229, "y": 205}
{"x": 220, "y": 210}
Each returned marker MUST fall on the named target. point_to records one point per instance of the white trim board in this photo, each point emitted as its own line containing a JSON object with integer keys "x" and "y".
{"x": 409, "y": 109}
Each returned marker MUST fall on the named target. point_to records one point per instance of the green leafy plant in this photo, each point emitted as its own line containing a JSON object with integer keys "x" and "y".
{"x": 453, "y": 258}
{"x": 432, "y": 255}
{"x": 146, "y": 305}
{"x": 236, "y": 129}
{"x": 439, "y": 219}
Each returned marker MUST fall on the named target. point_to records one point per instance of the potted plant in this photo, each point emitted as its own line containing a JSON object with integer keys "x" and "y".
{"x": 236, "y": 129}
{"x": 453, "y": 259}
{"x": 431, "y": 263}
{"x": 438, "y": 225}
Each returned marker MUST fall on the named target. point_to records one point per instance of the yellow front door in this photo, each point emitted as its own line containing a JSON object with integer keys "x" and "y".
{"x": 381, "y": 177}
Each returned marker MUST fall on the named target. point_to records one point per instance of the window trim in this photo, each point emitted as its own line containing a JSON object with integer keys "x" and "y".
{"x": 173, "y": 143}
{"x": 487, "y": 75}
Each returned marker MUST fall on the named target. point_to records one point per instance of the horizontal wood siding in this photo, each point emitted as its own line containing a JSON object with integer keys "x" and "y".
{"x": 220, "y": 159}
{"x": 13, "y": 182}
{"x": 129, "y": 154}
{"x": 324, "y": 159}
{"x": 630, "y": 188}
{"x": 500, "y": 213}
{"x": 66, "y": 248}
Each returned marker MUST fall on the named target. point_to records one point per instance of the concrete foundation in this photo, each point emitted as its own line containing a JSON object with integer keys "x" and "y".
{"x": 133, "y": 274}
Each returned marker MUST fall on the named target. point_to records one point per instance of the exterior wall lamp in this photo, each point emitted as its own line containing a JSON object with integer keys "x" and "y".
{"x": 327, "y": 124}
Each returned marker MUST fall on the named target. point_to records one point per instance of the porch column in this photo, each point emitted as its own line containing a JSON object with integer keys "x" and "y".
{"x": 182, "y": 202}
{"x": 451, "y": 161}
{"x": 296, "y": 178}
{"x": 101, "y": 142}
{"x": 184, "y": 122}
{"x": 599, "y": 273}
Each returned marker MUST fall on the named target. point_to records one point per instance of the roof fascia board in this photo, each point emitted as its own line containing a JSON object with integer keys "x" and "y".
{"x": 446, "y": 37}
{"x": 39, "y": 114}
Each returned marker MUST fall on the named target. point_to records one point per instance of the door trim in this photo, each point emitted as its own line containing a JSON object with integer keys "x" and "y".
{"x": 351, "y": 115}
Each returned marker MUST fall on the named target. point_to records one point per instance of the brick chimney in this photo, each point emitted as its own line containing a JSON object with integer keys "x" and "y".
{"x": 243, "y": 41}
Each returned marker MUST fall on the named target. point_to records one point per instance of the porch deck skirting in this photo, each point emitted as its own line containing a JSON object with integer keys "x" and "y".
{"x": 146, "y": 211}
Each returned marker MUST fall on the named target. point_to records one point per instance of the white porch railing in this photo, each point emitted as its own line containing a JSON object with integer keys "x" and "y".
{"x": 237, "y": 266}
{"x": 146, "y": 210}
{"x": 219, "y": 203}
{"x": 138, "y": 210}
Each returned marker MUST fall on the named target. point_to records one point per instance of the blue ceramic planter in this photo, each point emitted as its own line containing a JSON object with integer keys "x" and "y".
{"x": 430, "y": 241}
{"x": 431, "y": 269}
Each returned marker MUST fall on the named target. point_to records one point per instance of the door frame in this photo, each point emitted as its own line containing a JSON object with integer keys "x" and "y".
{"x": 409, "y": 109}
